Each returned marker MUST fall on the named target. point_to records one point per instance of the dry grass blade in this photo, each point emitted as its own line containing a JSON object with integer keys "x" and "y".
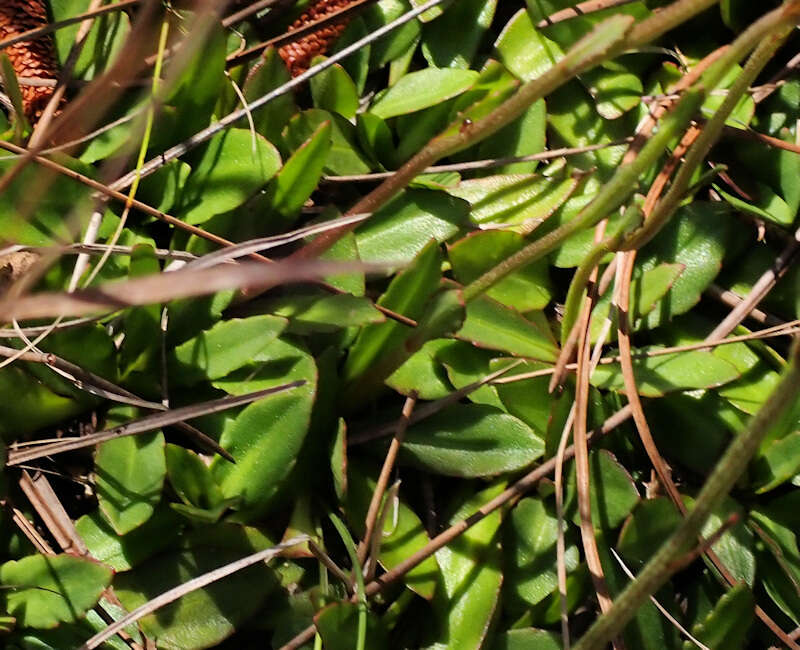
{"x": 147, "y": 423}
{"x": 187, "y": 587}
{"x": 44, "y": 500}
{"x": 164, "y": 287}
{"x": 582, "y": 473}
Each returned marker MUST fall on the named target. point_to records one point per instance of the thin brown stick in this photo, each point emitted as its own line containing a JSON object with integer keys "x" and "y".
{"x": 731, "y": 299}
{"x": 582, "y": 472}
{"x": 580, "y": 9}
{"x": 750, "y": 134}
{"x": 173, "y": 221}
{"x": 144, "y": 424}
{"x": 29, "y": 530}
{"x": 759, "y": 291}
{"x": 383, "y": 478}
{"x": 326, "y": 559}
{"x": 41, "y": 496}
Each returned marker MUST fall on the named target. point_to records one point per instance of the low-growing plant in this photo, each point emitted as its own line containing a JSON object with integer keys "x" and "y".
{"x": 399, "y": 324}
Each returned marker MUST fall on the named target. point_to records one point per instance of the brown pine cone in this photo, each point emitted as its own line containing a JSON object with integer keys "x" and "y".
{"x": 29, "y": 58}
{"x": 298, "y": 54}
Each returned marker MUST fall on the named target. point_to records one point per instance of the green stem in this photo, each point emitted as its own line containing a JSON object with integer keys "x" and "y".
{"x": 631, "y": 220}
{"x": 361, "y": 595}
{"x": 725, "y": 474}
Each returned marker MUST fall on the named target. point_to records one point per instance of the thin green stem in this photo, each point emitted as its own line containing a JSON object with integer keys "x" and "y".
{"x": 361, "y": 594}
{"x": 631, "y": 220}
{"x": 725, "y": 474}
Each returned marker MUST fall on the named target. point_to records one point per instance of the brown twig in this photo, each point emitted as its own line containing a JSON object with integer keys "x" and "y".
{"x": 580, "y": 9}
{"x": 582, "y": 472}
{"x": 383, "y": 478}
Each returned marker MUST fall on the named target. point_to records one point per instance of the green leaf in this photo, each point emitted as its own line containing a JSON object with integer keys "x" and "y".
{"x": 517, "y": 202}
{"x": 416, "y": 129}
{"x": 497, "y": 327}
{"x": 612, "y": 492}
{"x": 469, "y": 19}
{"x": 266, "y": 436}
{"x": 338, "y": 458}
{"x": 677, "y": 418}
{"x": 403, "y": 533}
{"x": 337, "y": 625}
{"x": 333, "y": 90}
{"x": 42, "y": 591}
{"x": 766, "y": 204}
{"x": 357, "y": 64}
{"x": 735, "y": 547}
{"x": 407, "y": 294}
{"x": 657, "y": 375}
{"x": 530, "y": 551}
{"x": 142, "y": 324}
{"x": 695, "y": 237}
{"x": 268, "y": 74}
{"x": 39, "y": 220}
{"x": 228, "y": 345}
{"x": 201, "y": 618}
{"x": 471, "y": 577}
{"x": 573, "y": 119}
{"x": 529, "y": 399}
{"x": 344, "y": 156}
{"x": 522, "y": 137}
{"x": 323, "y": 312}
{"x": 300, "y": 174}
{"x": 376, "y": 138}
{"x": 466, "y": 364}
{"x": 191, "y": 478}
{"x": 524, "y": 50}
{"x": 651, "y": 523}
{"x": 422, "y": 373}
{"x": 130, "y": 474}
{"x": 471, "y": 440}
{"x": 527, "y": 638}
{"x": 614, "y": 89}
{"x": 776, "y": 464}
{"x": 196, "y": 91}
{"x": 525, "y": 289}
{"x": 727, "y": 625}
{"x": 122, "y": 553}
{"x": 422, "y": 89}
{"x": 101, "y": 45}
{"x": 398, "y": 41}
{"x": 402, "y": 228}
{"x": 233, "y": 167}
